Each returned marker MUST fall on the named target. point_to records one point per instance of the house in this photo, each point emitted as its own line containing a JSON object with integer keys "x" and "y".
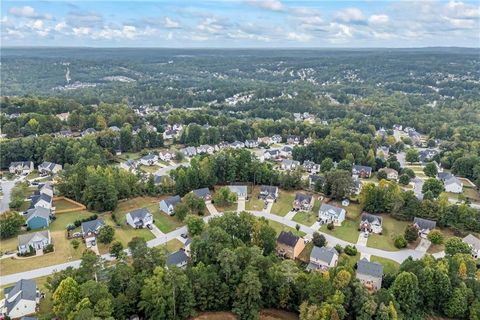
{"x": 268, "y": 193}
{"x": 21, "y": 167}
{"x": 453, "y": 185}
{"x": 166, "y": 156}
{"x": 265, "y": 140}
{"x": 237, "y": 145}
{"x": 88, "y": 131}
{"x": 382, "y": 152}
{"x": 46, "y": 188}
{"x": 178, "y": 259}
{"x": 311, "y": 166}
{"x": 149, "y": 160}
{"x": 37, "y": 218}
{"x": 49, "y": 168}
{"x": 322, "y": 258}
{"x": 90, "y": 230}
{"x": 331, "y": 214}
{"x": 251, "y": 143}
{"x": 286, "y": 151}
{"x": 65, "y": 133}
{"x": 424, "y": 226}
{"x": 444, "y": 176}
{"x": 361, "y": 171}
{"x": 276, "y": 138}
{"x": 169, "y": 134}
{"x": 313, "y": 178}
{"x": 203, "y": 193}
{"x": 438, "y": 166}
{"x": 288, "y": 164}
{"x": 414, "y": 135}
{"x": 159, "y": 179}
{"x": 289, "y": 245}
{"x": 240, "y": 191}
{"x": 292, "y": 139}
{"x": 271, "y": 154}
{"x": 357, "y": 186}
{"x": 36, "y": 240}
{"x": 189, "y": 151}
{"x": 129, "y": 165}
{"x": 392, "y": 174}
{"x": 114, "y": 128}
{"x": 41, "y": 200}
{"x": 398, "y": 127}
{"x": 307, "y": 141}
{"x": 139, "y": 218}
{"x": 474, "y": 244}
{"x": 427, "y": 155}
{"x": 370, "y": 274}
{"x": 21, "y": 299}
{"x": 382, "y": 132}
{"x": 371, "y": 223}
{"x": 168, "y": 205}
{"x": 303, "y": 202}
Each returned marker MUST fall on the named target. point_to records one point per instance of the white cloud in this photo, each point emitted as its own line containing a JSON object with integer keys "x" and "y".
{"x": 240, "y": 34}
{"x": 60, "y": 26}
{"x": 301, "y": 37}
{"x": 377, "y": 19}
{"x": 210, "y": 25}
{"x": 273, "y": 5}
{"x": 460, "y": 10}
{"x": 171, "y": 24}
{"x": 350, "y": 15}
{"x": 82, "y": 31}
{"x": 28, "y": 12}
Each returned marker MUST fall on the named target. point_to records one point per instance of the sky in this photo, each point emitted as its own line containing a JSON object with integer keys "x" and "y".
{"x": 240, "y": 23}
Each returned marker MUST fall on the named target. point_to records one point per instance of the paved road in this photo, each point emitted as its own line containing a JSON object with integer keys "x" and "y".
{"x": 165, "y": 170}
{"x": 7, "y": 187}
{"x": 417, "y": 189}
{"x": 401, "y": 159}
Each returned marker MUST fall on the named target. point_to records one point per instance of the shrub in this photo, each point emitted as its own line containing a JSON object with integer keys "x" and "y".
{"x": 351, "y": 250}
{"x": 404, "y": 179}
{"x": 75, "y": 244}
{"x": 330, "y": 226}
{"x": 339, "y": 248}
{"x": 435, "y": 237}
{"x": 400, "y": 242}
{"x": 48, "y": 248}
{"x": 297, "y": 226}
{"x": 411, "y": 233}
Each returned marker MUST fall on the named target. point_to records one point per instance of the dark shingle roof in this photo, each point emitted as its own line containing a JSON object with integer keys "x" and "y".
{"x": 323, "y": 254}
{"x": 373, "y": 269}
{"x": 370, "y": 218}
{"x": 92, "y": 226}
{"x": 173, "y": 200}
{"x": 202, "y": 193}
{"x": 140, "y": 213}
{"x": 288, "y": 238}
{"x": 176, "y": 258}
{"x": 424, "y": 224}
{"x": 27, "y": 289}
{"x": 303, "y": 197}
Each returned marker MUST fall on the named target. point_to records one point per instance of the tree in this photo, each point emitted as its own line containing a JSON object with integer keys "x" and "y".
{"x": 409, "y": 172}
{"x": 456, "y": 245}
{"x": 195, "y": 204}
{"x": 382, "y": 175}
{"x": 430, "y": 170}
{"x": 224, "y": 197}
{"x": 338, "y": 184}
{"x": 457, "y": 306}
{"x": 116, "y": 249}
{"x": 106, "y": 234}
{"x": 195, "y": 225}
{"x": 10, "y": 224}
{"x": 400, "y": 241}
{"x": 248, "y": 299}
{"x": 411, "y": 155}
{"x": 411, "y": 233}
{"x": 75, "y": 244}
{"x": 404, "y": 179}
{"x": 319, "y": 239}
{"x": 264, "y": 236}
{"x": 181, "y": 211}
{"x": 433, "y": 185}
{"x": 406, "y": 292}
{"x": 435, "y": 236}
{"x": 326, "y": 165}
{"x": 344, "y": 165}
{"x": 65, "y": 297}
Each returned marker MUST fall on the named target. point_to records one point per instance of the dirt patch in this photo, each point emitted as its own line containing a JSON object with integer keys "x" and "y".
{"x": 215, "y": 316}
{"x": 266, "y": 314}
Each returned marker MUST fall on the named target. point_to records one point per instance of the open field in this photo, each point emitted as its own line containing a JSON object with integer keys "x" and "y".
{"x": 472, "y": 194}
{"x": 284, "y": 203}
{"x": 149, "y": 169}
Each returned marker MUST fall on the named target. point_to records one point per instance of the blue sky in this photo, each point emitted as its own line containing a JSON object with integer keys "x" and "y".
{"x": 240, "y": 23}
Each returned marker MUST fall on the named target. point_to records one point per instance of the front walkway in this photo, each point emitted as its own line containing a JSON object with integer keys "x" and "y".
{"x": 211, "y": 208}
{"x": 269, "y": 207}
{"x": 241, "y": 205}
{"x": 423, "y": 245}
{"x": 290, "y": 215}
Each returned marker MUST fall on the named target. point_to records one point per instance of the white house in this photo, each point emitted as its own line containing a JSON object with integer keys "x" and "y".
{"x": 371, "y": 223}
{"x": 37, "y": 240}
{"x": 240, "y": 191}
{"x": 276, "y": 138}
{"x": 189, "y": 151}
{"x": 168, "y": 205}
{"x": 21, "y": 299}
{"x": 474, "y": 244}
{"x": 42, "y": 200}
{"x": 286, "y": 151}
{"x": 453, "y": 185}
{"x": 311, "y": 166}
{"x": 288, "y": 164}
{"x": 271, "y": 154}
{"x": 139, "y": 218}
{"x": 166, "y": 156}
{"x": 370, "y": 274}
{"x": 237, "y": 145}
{"x": 21, "y": 167}
{"x": 328, "y": 213}
{"x": 392, "y": 174}
{"x": 265, "y": 140}
{"x": 322, "y": 258}
{"x": 149, "y": 160}
{"x": 129, "y": 165}
{"x": 49, "y": 168}
{"x": 292, "y": 139}
{"x": 251, "y": 143}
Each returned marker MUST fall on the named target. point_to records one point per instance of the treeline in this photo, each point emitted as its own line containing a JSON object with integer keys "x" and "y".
{"x": 233, "y": 267}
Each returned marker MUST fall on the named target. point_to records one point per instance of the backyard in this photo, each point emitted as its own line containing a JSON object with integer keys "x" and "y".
{"x": 389, "y": 266}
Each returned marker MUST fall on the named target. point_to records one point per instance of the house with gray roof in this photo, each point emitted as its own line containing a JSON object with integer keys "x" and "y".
{"x": 168, "y": 205}
{"x": 240, "y": 191}
{"x": 371, "y": 223}
{"x": 286, "y": 151}
{"x": 311, "y": 166}
{"x": 90, "y": 230}
{"x": 331, "y": 214}
{"x": 303, "y": 202}
{"x": 453, "y": 185}
{"x": 21, "y": 299}
{"x": 370, "y": 274}
{"x": 322, "y": 258}
{"x": 424, "y": 226}
{"x": 271, "y": 154}
{"x": 382, "y": 152}
{"x": 21, "y": 167}
{"x": 361, "y": 171}
{"x": 139, "y": 218}
{"x": 178, "y": 259}
{"x": 276, "y": 138}
{"x": 37, "y": 240}
{"x": 444, "y": 176}
{"x": 203, "y": 193}
{"x": 251, "y": 143}
{"x": 149, "y": 160}
{"x": 49, "y": 168}
{"x": 288, "y": 164}
{"x": 237, "y": 145}
{"x": 293, "y": 139}
{"x": 129, "y": 165}
{"x": 189, "y": 151}
{"x": 88, "y": 131}
{"x": 427, "y": 155}
{"x": 268, "y": 193}
{"x": 474, "y": 244}
{"x": 37, "y": 218}
{"x": 41, "y": 200}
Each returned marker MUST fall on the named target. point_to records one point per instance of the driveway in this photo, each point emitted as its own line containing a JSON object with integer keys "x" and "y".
{"x": 364, "y": 255}
{"x": 211, "y": 208}
{"x": 241, "y": 205}
{"x": 316, "y": 225}
{"x": 401, "y": 159}
{"x": 7, "y": 187}
{"x": 156, "y": 232}
{"x": 290, "y": 215}
{"x": 423, "y": 245}
{"x": 268, "y": 208}
{"x": 362, "y": 240}
{"x": 417, "y": 188}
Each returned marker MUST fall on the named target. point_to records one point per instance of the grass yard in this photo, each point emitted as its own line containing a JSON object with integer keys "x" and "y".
{"x": 253, "y": 203}
{"x": 64, "y": 252}
{"x": 466, "y": 183}
{"x": 232, "y": 207}
{"x": 471, "y": 193}
{"x": 63, "y": 204}
{"x": 149, "y": 169}
{"x": 348, "y": 231}
{"x": 279, "y": 227}
{"x": 64, "y": 219}
{"x": 389, "y": 266}
{"x": 32, "y": 175}
{"x": 173, "y": 245}
{"x": 284, "y": 203}
{"x": 9, "y": 244}
{"x": 346, "y": 260}
{"x": 305, "y": 218}
{"x": 391, "y": 229}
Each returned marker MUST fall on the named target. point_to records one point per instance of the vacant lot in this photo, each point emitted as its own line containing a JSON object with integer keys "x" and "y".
{"x": 149, "y": 169}
{"x": 253, "y": 203}
{"x": 63, "y": 204}
{"x": 305, "y": 218}
{"x": 284, "y": 203}
{"x": 281, "y": 227}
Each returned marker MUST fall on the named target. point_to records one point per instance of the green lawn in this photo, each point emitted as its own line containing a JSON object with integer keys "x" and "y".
{"x": 232, "y": 207}
{"x": 125, "y": 233}
{"x": 64, "y": 219}
{"x": 149, "y": 169}
{"x": 173, "y": 245}
{"x": 305, "y": 254}
{"x": 346, "y": 260}
{"x": 284, "y": 203}
{"x": 253, "y": 203}
{"x": 471, "y": 193}
{"x": 279, "y": 227}
{"x": 348, "y": 231}
{"x": 63, "y": 204}
{"x": 305, "y": 218}
{"x": 389, "y": 266}
{"x": 34, "y": 174}
{"x": 391, "y": 228}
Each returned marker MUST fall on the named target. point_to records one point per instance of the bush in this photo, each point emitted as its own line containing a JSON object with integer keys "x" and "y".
{"x": 411, "y": 233}
{"x": 75, "y": 244}
{"x": 48, "y": 248}
{"x": 319, "y": 239}
{"x": 400, "y": 242}
{"x": 404, "y": 179}
{"x": 435, "y": 237}
{"x": 351, "y": 250}
{"x": 339, "y": 248}
{"x": 330, "y": 226}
